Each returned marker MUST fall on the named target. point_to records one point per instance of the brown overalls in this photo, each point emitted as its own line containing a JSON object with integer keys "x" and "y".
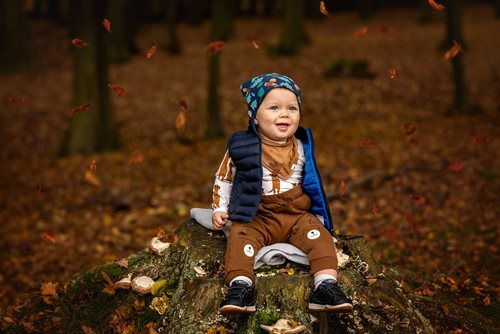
{"x": 280, "y": 218}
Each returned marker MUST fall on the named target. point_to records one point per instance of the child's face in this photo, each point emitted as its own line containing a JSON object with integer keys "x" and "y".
{"x": 278, "y": 115}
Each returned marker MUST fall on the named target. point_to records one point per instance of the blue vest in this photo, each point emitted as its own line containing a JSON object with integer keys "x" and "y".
{"x": 245, "y": 149}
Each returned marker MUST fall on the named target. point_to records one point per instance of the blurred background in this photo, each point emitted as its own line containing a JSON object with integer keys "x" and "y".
{"x": 115, "y": 115}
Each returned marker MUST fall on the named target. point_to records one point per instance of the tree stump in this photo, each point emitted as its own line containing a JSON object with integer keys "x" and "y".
{"x": 187, "y": 301}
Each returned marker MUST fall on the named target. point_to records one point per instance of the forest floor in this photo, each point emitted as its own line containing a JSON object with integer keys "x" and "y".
{"x": 426, "y": 188}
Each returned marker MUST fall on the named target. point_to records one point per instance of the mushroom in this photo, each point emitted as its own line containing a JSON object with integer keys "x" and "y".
{"x": 142, "y": 284}
{"x": 284, "y": 326}
{"x": 124, "y": 283}
{"x": 158, "y": 246}
{"x": 342, "y": 258}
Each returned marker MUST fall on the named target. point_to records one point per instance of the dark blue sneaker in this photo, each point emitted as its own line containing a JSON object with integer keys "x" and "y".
{"x": 329, "y": 298}
{"x": 239, "y": 299}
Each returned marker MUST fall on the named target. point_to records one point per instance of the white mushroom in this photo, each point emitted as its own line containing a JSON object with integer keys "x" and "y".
{"x": 342, "y": 258}
{"x": 124, "y": 283}
{"x": 142, "y": 284}
{"x": 284, "y": 326}
{"x": 158, "y": 246}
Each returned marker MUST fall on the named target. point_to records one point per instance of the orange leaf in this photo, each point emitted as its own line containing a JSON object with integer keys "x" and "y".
{"x": 49, "y": 292}
{"x": 49, "y": 237}
{"x": 136, "y": 158}
{"x": 117, "y": 89}
{"x": 80, "y": 43}
{"x": 81, "y": 108}
{"x": 214, "y": 47}
{"x": 93, "y": 165}
{"x": 107, "y": 278}
{"x": 16, "y": 100}
{"x": 151, "y": 51}
{"x": 435, "y": 5}
{"x": 107, "y": 25}
{"x": 368, "y": 143}
{"x": 486, "y": 300}
{"x": 341, "y": 188}
{"x": 392, "y": 73}
{"x": 455, "y": 166}
{"x": 92, "y": 179}
{"x": 123, "y": 263}
{"x": 420, "y": 200}
{"x": 360, "y": 32}
{"x": 322, "y": 8}
{"x": 453, "y": 51}
{"x": 180, "y": 121}
{"x": 87, "y": 329}
{"x": 409, "y": 128}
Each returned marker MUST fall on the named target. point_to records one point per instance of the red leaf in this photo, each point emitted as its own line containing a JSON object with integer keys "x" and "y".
{"x": 49, "y": 237}
{"x": 435, "y": 5}
{"x": 151, "y": 51}
{"x": 481, "y": 140}
{"x": 117, "y": 89}
{"x": 420, "y": 200}
{"x": 392, "y": 73}
{"x": 81, "y": 108}
{"x": 80, "y": 43}
{"x": 16, "y": 100}
{"x": 455, "y": 166}
{"x": 453, "y": 51}
{"x": 107, "y": 25}
{"x": 409, "y": 128}
{"x": 368, "y": 143}
{"x": 215, "y": 47}
{"x": 360, "y": 32}
{"x": 183, "y": 104}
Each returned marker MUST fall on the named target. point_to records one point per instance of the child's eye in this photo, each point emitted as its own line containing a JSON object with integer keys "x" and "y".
{"x": 294, "y": 108}
{"x": 274, "y": 108}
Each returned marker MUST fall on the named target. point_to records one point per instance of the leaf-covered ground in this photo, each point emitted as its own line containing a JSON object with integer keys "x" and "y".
{"x": 425, "y": 194}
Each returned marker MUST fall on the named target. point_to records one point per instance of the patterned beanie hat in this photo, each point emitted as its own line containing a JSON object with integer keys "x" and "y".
{"x": 255, "y": 89}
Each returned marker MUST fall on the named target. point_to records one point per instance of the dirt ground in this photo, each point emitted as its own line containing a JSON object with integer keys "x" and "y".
{"x": 427, "y": 201}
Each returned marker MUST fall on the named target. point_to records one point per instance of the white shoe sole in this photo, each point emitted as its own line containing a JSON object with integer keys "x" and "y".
{"x": 346, "y": 307}
{"x": 233, "y": 309}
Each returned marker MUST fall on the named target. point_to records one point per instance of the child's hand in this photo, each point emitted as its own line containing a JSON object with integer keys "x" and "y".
{"x": 219, "y": 219}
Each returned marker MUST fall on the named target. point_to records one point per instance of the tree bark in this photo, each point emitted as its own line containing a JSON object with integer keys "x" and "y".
{"x": 94, "y": 129}
{"x": 174, "y": 45}
{"x": 294, "y": 34}
{"x": 214, "y": 123}
{"x": 121, "y": 39}
{"x": 13, "y": 46}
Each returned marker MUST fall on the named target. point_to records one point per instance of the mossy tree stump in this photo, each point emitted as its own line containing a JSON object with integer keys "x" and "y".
{"x": 190, "y": 303}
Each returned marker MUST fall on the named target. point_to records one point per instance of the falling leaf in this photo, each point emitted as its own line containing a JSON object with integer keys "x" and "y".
{"x": 16, "y": 100}
{"x": 49, "y": 237}
{"x": 123, "y": 263}
{"x": 136, "y": 158}
{"x": 93, "y": 165}
{"x": 341, "y": 188}
{"x": 183, "y": 104}
{"x": 455, "y": 166}
{"x": 368, "y": 143}
{"x": 117, "y": 89}
{"x": 80, "y": 43}
{"x": 410, "y": 220}
{"x": 87, "y": 329}
{"x": 180, "y": 122}
{"x": 360, "y": 32}
{"x": 481, "y": 140}
{"x": 49, "y": 292}
{"x": 375, "y": 209}
{"x": 453, "y": 51}
{"x": 322, "y": 8}
{"x": 151, "y": 51}
{"x": 214, "y": 47}
{"x": 107, "y": 25}
{"x": 92, "y": 179}
{"x": 486, "y": 300}
{"x": 81, "y": 108}
{"x": 392, "y": 73}
{"x": 435, "y": 5}
{"x": 420, "y": 200}
{"x": 409, "y": 128}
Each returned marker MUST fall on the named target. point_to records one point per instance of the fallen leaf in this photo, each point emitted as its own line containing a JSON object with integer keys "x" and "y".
{"x": 92, "y": 179}
{"x": 375, "y": 209}
{"x": 151, "y": 51}
{"x": 199, "y": 271}
{"x": 435, "y": 5}
{"x": 87, "y": 329}
{"x": 107, "y": 25}
{"x": 455, "y": 166}
{"x": 80, "y": 43}
{"x": 180, "y": 122}
{"x": 117, "y": 89}
{"x": 341, "y": 189}
{"x": 371, "y": 280}
{"x": 138, "y": 304}
{"x": 214, "y": 47}
{"x": 322, "y": 8}
{"x": 49, "y": 237}
{"x": 81, "y": 108}
{"x": 409, "y": 128}
{"x": 420, "y": 200}
{"x": 410, "y": 220}
{"x": 486, "y": 300}
{"x": 16, "y": 100}
{"x": 453, "y": 51}
{"x": 481, "y": 140}
{"x": 49, "y": 292}
{"x": 368, "y": 143}
{"x": 445, "y": 309}
{"x": 123, "y": 263}
{"x": 136, "y": 158}
{"x": 360, "y": 32}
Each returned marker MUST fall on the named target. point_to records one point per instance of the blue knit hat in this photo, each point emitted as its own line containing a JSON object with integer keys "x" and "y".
{"x": 255, "y": 89}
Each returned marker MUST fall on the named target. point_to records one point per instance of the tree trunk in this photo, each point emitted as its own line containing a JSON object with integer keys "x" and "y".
{"x": 174, "y": 45}
{"x": 120, "y": 40}
{"x": 94, "y": 129}
{"x": 454, "y": 10}
{"x": 214, "y": 123}
{"x": 190, "y": 302}
{"x": 294, "y": 35}
{"x": 13, "y": 46}
{"x": 366, "y": 9}
{"x": 496, "y": 3}
{"x": 222, "y": 19}
{"x": 425, "y": 12}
